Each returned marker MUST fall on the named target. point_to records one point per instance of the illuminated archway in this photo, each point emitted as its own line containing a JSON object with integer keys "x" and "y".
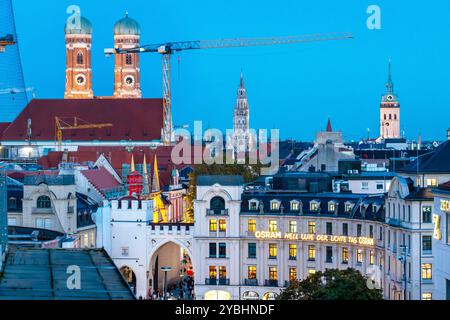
{"x": 250, "y": 295}
{"x": 217, "y": 295}
{"x": 130, "y": 277}
{"x": 269, "y": 296}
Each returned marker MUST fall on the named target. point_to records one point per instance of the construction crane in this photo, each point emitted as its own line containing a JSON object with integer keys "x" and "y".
{"x": 168, "y": 48}
{"x": 77, "y": 123}
{"x": 14, "y": 91}
{"x": 7, "y": 40}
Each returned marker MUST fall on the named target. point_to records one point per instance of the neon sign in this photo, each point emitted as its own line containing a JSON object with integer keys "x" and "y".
{"x": 270, "y": 235}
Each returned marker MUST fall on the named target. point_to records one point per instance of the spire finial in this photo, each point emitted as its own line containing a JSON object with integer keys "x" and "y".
{"x": 241, "y": 83}
{"x": 132, "y": 164}
{"x": 126, "y": 14}
{"x": 329, "y": 128}
{"x": 390, "y": 84}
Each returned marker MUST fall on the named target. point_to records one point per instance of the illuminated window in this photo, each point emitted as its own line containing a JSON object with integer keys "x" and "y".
{"x": 295, "y": 206}
{"x": 273, "y": 225}
{"x": 212, "y": 225}
{"x": 345, "y": 255}
{"x": 359, "y": 255}
{"x": 293, "y": 226}
{"x": 292, "y": 274}
{"x": 273, "y": 273}
{"x": 426, "y": 271}
{"x": 311, "y": 227}
{"x": 253, "y": 205}
{"x": 292, "y": 251}
{"x": 432, "y": 182}
{"x": 222, "y": 225}
{"x": 251, "y": 273}
{"x": 212, "y": 272}
{"x": 331, "y": 206}
{"x": 427, "y": 296}
{"x": 274, "y": 205}
{"x": 348, "y": 207}
{"x": 426, "y": 214}
{"x": 273, "y": 250}
{"x": 311, "y": 253}
{"x": 371, "y": 258}
{"x": 314, "y": 206}
{"x": 222, "y": 272}
{"x": 311, "y": 272}
{"x": 251, "y": 225}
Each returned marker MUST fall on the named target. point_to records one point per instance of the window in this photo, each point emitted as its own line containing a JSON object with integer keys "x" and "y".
{"x": 371, "y": 231}
{"x": 348, "y": 207}
{"x": 311, "y": 272}
{"x": 253, "y": 205}
{"x": 381, "y": 234}
{"x": 273, "y": 273}
{"x": 345, "y": 255}
{"x": 311, "y": 227}
{"x": 364, "y": 185}
{"x": 292, "y": 274}
{"x": 345, "y": 229}
{"x": 12, "y": 221}
{"x": 448, "y": 231}
{"x": 359, "y": 256}
{"x": 125, "y": 251}
{"x": 43, "y": 223}
{"x": 222, "y": 225}
{"x": 427, "y": 296}
{"x": 426, "y": 214}
{"x": 432, "y": 182}
{"x": 222, "y": 250}
{"x": 12, "y": 203}
{"x": 293, "y": 226}
{"x": 222, "y": 272}
{"x": 273, "y": 250}
{"x": 331, "y": 206}
{"x": 212, "y": 250}
{"x": 426, "y": 271}
{"x": 274, "y": 205}
{"x": 358, "y": 230}
{"x": 273, "y": 225}
{"x": 251, "y": 272}
{"x": 323, "y": 167}
{"x": 129, "y": 59}
{"x": 329, "y": 254}
{"x": 217, "y": 205}
{"x": 311, "y": 253}
{"x": 252, "y": 250}
{"x": 295, "y": 206}
{"x": 43, "y": 202}
{"x": 314, "y": 206}
{"x": 251, "y": 225}
{"x": 80, "y": 58}
{"x": 212, "y": 272}
{"x": 380, "y": 186}
{"x": 212, "y": 225}
{"x": 371, "y": 257}
{"x": 329, "y": 228}
{"x": 292, "y": 251}
{"x": 427, "y": 243}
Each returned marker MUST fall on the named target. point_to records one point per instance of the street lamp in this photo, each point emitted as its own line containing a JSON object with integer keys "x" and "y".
{"x": 165, "y": 270}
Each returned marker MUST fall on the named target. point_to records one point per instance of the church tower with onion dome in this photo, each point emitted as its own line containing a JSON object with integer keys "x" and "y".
{"x": 78, "y": 32}
{"x": 127, "y": 82}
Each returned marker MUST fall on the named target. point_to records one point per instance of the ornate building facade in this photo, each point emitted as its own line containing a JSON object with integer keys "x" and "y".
{"x": 241, "y": 120}
{"x": 389, "y": 112}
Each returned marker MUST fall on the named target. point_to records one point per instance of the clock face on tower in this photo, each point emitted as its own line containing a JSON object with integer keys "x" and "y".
{"x": 80, "y": 79}
{"x": 390, "y": 97}
{"x": 129, "y": 80}
{"x": 387, "y": 124}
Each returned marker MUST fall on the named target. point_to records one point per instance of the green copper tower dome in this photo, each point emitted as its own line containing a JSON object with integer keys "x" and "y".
{"x": 127, "y": 26}
{"x": 73, "y": 27}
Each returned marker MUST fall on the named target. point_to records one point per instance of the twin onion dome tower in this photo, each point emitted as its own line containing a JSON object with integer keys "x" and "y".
{"x": 78, "y": 33}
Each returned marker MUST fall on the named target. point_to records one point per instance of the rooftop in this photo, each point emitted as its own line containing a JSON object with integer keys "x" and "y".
{"x": 41, "y": 274}
{"x": 220, "y": 179}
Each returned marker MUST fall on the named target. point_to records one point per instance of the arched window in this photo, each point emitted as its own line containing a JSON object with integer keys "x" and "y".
{"x": 12, "y": 203}
{"x": 80, "y": 58}
{"x": 395, "y": 116}
{"x": 390, "y": 116}
{"x": 43, "y": 202}
{"x": 217, "y": 204}
{"x": 384, "y": 116}
{"x": 129, "y": 59}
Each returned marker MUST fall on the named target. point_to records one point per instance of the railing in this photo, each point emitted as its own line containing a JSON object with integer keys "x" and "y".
{"x": 222, "y": 212}
{"x": 271, "y": 283}
{"x": 42, "y": 210}
{"x": 215, "y": 281}
{"x": 394, "y": 222}
{"x": 251, "y": 282}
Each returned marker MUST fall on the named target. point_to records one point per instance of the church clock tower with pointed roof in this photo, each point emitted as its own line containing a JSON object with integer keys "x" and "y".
{"x": 241, "y": 119}
{"x": 389, "y": 112}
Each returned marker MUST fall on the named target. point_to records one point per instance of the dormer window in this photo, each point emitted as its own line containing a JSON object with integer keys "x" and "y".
{"x": 348, "y": 206}
{"x": 253, "y": 205}
{"x": 314, "y": 206}
{"x": 295, "y": 206}
{"x": 331, "y": 206}
{"x": 274, "y": 205}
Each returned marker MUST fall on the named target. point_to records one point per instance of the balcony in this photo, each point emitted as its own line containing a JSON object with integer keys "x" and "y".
{"x": 271, "y": 283}
{"x": 251, "y": 282}
{"x": 394, "y": 222}
{"x": 287, "y": 283}
{"x": 215, "y": 281}
{"x": 42, "y": 211}
{"x": 222, "y": 212}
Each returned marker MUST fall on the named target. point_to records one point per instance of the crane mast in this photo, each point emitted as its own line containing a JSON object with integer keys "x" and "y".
{"x": 168, "y": 48}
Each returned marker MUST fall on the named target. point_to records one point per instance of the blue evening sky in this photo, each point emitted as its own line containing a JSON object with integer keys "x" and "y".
{"x": 290, "y": 87}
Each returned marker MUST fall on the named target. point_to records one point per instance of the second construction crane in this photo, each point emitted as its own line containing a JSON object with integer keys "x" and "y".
{"x": 168, "y": 48}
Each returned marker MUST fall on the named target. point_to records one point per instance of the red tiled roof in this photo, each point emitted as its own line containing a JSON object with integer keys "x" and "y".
{"x": 132, "y": 119}
{"x": 101, "y": 179}
{"x": 445, "y": 186}
{"x": 3, "y": 126}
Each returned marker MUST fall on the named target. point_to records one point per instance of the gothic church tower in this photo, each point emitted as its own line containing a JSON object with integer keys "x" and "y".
{"x": 389, "y": 112}
{"x": 241, "y": 120}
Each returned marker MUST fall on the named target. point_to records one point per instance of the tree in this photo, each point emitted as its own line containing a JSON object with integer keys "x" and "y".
{"x": 332, "y": 284}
